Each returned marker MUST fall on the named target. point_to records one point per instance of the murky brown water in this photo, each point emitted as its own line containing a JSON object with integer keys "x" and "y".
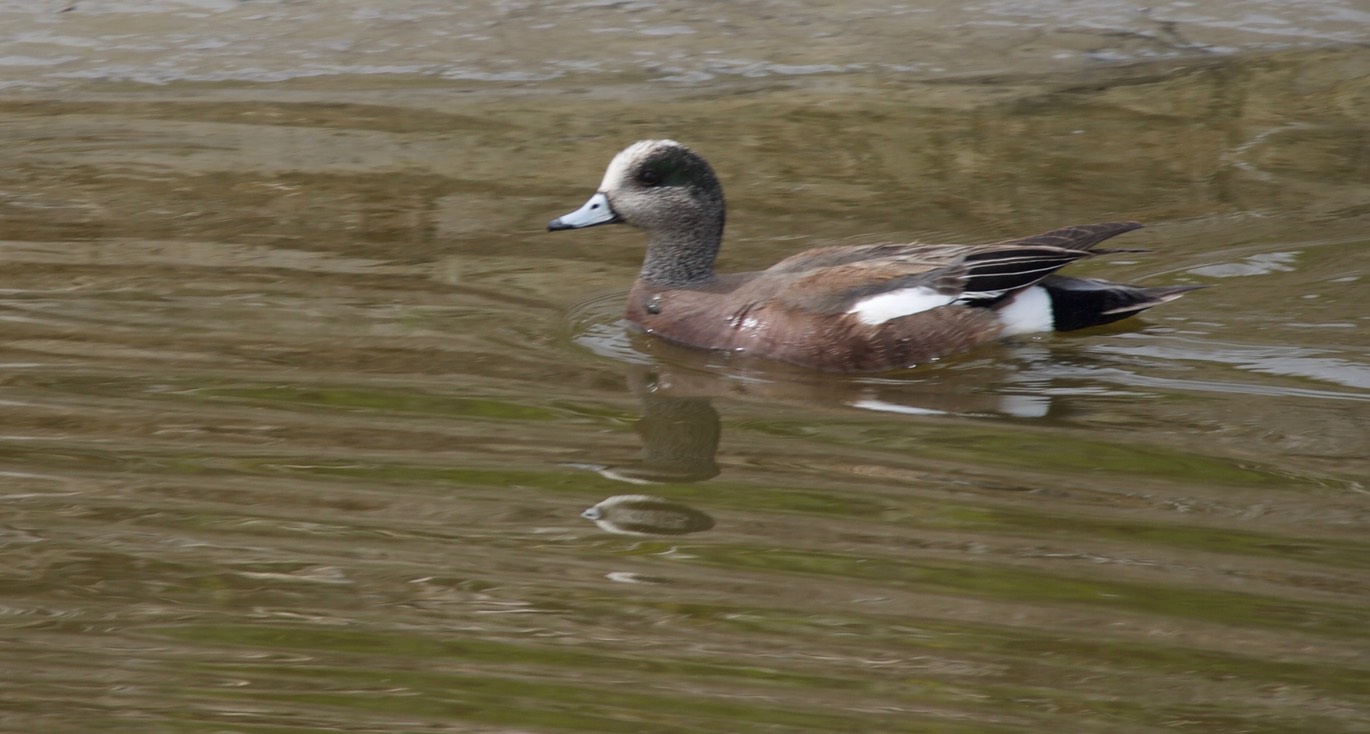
{"x": 301, "y": 405}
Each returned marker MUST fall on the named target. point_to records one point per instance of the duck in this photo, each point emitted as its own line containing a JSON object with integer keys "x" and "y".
{"x": 845, "y": 308}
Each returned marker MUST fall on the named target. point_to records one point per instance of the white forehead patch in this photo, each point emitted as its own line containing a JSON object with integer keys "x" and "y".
{"x": 880, "y": 308}
{"x": 625, "y": 160}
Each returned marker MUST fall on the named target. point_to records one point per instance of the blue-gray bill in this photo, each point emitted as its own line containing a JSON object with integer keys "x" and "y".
{"x": 595, "y": 211}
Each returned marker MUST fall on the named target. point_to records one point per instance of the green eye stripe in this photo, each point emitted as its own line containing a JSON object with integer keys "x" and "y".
{"x": 667, "y": 172}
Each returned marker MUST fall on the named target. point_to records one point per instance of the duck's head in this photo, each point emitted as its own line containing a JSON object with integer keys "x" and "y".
{"x": 669, "y": 191}
{"x": 652, "y": 184}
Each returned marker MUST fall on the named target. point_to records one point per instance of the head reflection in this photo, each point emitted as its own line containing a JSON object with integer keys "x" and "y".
{"x": 640, "y": 514}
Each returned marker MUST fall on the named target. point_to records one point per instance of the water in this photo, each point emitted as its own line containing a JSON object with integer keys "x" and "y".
{"x": 302, "y": 405}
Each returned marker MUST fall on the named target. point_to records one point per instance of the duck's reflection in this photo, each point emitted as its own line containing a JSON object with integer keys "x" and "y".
{"x": 679, "y": 436}
{"x": 640, "y": 514}
{"x": 679, "y": 442}
{"x": 680, "y": 428}
{"x": 996, "y": 381}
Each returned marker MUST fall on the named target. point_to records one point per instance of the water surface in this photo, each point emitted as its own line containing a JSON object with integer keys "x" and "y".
{"x": 302, "y": 406}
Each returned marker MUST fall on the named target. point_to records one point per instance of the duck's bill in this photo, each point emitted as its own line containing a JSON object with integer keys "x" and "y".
{"x": 595, "y": 211}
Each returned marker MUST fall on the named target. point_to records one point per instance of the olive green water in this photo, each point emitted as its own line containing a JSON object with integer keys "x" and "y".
{"x": 301, "y": 408}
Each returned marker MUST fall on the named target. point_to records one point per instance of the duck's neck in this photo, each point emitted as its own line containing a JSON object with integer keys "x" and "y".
{"x": 683, "y": 257}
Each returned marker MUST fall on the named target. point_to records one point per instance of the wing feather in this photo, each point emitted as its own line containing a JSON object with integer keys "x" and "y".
{"x": 831, "y": 280}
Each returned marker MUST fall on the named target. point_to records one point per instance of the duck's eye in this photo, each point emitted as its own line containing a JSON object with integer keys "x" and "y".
{"x": 649, "y": 178}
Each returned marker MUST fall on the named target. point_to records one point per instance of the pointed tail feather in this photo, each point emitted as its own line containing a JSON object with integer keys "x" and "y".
{"x": 1079, "y": 303}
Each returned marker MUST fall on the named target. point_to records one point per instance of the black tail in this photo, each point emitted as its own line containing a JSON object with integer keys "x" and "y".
{"x": 1078, "y": 303}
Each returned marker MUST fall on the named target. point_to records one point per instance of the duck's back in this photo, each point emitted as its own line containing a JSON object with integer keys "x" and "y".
{"x": 799, "y": 311}
{"x": 892, "y": 306}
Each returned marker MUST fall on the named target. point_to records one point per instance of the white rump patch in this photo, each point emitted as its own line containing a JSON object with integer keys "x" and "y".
{"x": 1029, "y": 312}
{"x": 878, "y": 309}
{"x": 1025, "y": 406}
